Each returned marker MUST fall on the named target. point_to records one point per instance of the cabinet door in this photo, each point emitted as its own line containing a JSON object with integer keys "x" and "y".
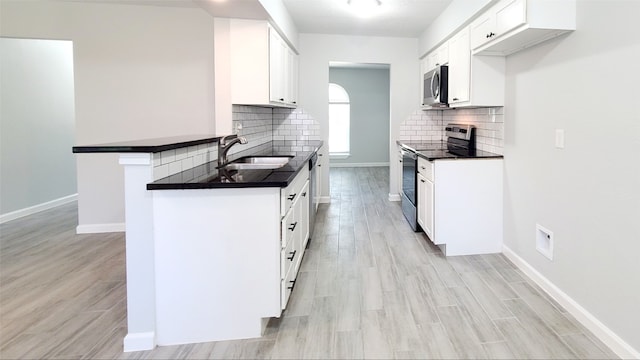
{"x": 276, "y": 60}
{"x": 304, "y": 216}
{"x": 421, "y": 200}
{"x": 509, "y": 15}
{"x": 443, "y": 54}
{"x": 459, "y": 67}
{"x": 427, "y": 199}
{"x": 293, "y": 78}
{"x": 482, "y": 28}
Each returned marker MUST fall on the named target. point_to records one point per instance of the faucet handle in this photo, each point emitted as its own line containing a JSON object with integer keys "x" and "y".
{"x": 223, "y": 140}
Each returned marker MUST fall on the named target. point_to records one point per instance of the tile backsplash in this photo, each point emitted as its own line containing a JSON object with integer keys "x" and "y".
{"x": 171, "y": 162}
{"x": 429, "y": 126}
{"x": 260, "y": 125}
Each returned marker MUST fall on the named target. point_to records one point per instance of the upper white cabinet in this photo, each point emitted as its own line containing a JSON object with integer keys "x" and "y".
{"x": 263, "y": 66}
{"x": 512, "y": 25}
{"x": 474, "y": 81}
{"x": 459, "y": 67}
{"x": 438, "y": 57}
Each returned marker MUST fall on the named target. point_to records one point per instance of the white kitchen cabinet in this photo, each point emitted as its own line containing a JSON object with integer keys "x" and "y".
{"x": 512, "y": 25}
{"x": 304, "y": 217}
{"x": 294, "y": 231}
{"x": 262, "y": 65}
{"x": 399, "y": 175}
{"x": 425, "y": 197}
{"x": 459, "y": 67}
{"x": 467, "y": 206}
{"x": 225, "y": 259}
{"x": 474, "y": 81}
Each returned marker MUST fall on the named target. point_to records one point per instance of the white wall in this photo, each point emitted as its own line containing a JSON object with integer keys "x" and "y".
{"x": 36, "y": 123}
{"x": 368, "y": 91}
{"x": 587, "y": 194}
{"x": 317, "y": 50}
{"x": 140, "y": 72}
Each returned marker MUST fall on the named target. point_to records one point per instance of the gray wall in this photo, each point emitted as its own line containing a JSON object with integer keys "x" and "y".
{"x": 36, "y": 123}
{"x": 587, "y": 194}
{"x": 140, "y": 72}
{"x": 368, "y": 91}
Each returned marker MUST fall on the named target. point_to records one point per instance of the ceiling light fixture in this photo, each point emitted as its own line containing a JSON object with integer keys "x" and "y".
{"x": 364, "y": 8}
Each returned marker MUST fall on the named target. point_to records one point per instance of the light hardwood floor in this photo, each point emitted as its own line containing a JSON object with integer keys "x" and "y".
{"x": 368, "y": 288}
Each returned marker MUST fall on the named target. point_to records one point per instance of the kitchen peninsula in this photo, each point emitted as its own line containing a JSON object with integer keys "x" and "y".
{"x": 212, "y": 253}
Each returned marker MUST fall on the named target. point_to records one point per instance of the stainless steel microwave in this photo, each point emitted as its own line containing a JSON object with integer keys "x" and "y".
{"x": 436, "y": 84}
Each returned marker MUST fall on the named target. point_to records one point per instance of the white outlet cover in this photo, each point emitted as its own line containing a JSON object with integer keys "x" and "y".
{"x": 544, "y": 241}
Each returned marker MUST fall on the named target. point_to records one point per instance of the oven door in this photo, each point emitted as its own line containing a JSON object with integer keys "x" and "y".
{"x": 409, "y": 164}
{"x": 409, "y": 195}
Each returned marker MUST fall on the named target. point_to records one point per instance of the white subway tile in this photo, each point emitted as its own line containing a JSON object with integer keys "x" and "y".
{"x": 175, "y": 167}
{"x": 181, "y": 153}
{"x": 168, "y": 156}
{"x": 160, "y": 172}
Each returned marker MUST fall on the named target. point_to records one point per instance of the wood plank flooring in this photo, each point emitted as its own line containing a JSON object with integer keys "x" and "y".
{"x": 368, "y": 288}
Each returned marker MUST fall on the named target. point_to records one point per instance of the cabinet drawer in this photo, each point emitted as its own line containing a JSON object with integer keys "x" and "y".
{"x": 289, "y": 228}
{"x": 289, "y": 194}
{"x": 289, "y": 256}
{"x": 425, "y": 168}
{"x": 286, "y": 287}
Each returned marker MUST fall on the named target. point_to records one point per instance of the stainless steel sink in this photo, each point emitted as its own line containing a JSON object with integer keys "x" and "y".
{"x": 258, "y": 162}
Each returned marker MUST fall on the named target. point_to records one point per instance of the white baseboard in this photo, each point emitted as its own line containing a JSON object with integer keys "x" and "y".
{"x": 324, "y": 199}
{"x": 394, "y": 197}
{"x": 139, "y": 341}
{"x": 100, "y": 228}
{"x": 341, "y": 165}
{"x": 606, "y": 335}
{"x": 37, "y": 208}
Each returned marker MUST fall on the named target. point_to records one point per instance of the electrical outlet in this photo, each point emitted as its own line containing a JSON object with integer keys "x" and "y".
{"x": 544, "y": 241}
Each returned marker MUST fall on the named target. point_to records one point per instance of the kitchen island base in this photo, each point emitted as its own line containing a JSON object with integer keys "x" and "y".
{"x": 217, "y": 263}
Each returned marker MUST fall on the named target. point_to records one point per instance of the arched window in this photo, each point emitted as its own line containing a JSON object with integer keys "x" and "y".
{"x": 339, "y": 121}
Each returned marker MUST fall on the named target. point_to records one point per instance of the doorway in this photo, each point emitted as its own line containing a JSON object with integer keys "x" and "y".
{"x": 37, "y": 126}
{"x": 367, "y": 97}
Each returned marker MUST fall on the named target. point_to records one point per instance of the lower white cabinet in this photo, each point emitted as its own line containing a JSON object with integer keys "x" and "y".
{"x": 294, "y": 232}
{"x": 425, "y": 197}
{"x": 226, "y": 260}
{"x": 461, "y": 209}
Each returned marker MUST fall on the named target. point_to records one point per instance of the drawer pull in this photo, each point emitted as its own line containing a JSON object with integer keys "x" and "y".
{"x": 293, "y": 254}
{"x": 304, "y": 194}
{"x": 293, "y": 284}
{"x": 422, "y": 180}
{"x": 292, "y": 196}
{"x": 424, "y": 168}
{"x": 293, "y": 226}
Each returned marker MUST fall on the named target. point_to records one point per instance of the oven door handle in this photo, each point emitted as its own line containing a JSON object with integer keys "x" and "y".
{"x": 406, "y": 153}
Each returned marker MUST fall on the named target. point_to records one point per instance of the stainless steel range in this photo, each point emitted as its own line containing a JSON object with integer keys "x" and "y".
{"x": 460, "y": 142}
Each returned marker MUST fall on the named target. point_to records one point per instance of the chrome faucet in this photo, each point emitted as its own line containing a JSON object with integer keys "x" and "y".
{"x": 224, "y": 144}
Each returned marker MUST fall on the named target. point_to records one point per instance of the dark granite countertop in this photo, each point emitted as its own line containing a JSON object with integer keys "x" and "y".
{"x": 148, "y": 145}
{"x": 207, "y": 176}
{"x": 436, "y": 150}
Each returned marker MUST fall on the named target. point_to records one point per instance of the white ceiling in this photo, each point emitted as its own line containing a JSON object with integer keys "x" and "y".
{"x": 395, "y": 18}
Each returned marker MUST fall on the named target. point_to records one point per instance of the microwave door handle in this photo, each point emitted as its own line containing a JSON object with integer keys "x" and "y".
{"x": 435, "y": 91}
